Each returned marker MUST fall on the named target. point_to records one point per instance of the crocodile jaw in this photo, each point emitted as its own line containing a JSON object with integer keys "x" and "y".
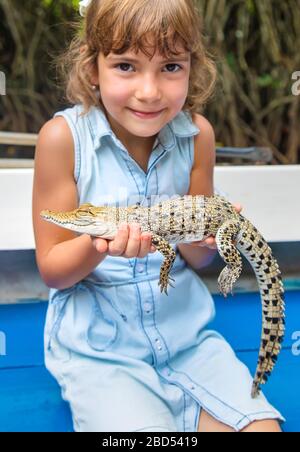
{"x": 94, "y": 227}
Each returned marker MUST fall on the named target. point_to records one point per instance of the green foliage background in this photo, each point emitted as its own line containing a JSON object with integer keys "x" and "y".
{"x": 256, "y": 44}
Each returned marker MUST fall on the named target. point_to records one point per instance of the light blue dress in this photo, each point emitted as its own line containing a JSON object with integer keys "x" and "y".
{"x": 127, "y": 357}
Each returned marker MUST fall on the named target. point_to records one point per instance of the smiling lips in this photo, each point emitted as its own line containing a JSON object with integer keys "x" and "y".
{"x": 146, "y": 114}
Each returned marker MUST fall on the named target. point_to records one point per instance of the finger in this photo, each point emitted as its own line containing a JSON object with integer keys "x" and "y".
{"x": 207, "y": 242}
{"x": 238, "y": 207}
{"x": 101, "y": 245}
{"x": 210, "y": 241}
{"x": 118, "y": 245}
{"x": 198, "y": 243}
{"x": 145, "y": 245}
{"x": 133, "y": 245}
{"x": 211, "y": 246}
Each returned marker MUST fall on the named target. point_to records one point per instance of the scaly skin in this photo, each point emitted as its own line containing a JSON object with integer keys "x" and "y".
{"x": 191, "y": 218}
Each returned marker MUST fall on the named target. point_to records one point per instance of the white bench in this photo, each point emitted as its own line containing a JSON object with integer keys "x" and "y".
{"x": 270, "y": 196}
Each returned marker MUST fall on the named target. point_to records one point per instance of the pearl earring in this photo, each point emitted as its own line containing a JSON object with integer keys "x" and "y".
{"x": 94, "y": 87}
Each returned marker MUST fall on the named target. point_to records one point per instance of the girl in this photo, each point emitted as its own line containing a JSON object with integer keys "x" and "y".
{"x": 127, "y": 357}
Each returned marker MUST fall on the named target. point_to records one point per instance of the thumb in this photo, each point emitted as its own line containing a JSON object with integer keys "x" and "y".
{"x": 100, "y": 244}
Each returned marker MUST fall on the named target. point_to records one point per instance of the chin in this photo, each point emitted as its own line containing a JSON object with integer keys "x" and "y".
{"x": 146, "y": 134}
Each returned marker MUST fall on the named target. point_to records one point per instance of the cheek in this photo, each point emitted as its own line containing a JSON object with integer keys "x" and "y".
{"x": 113, "y": 89}
{"x": 177, "y": 91}
{"x": 178, "y": 98}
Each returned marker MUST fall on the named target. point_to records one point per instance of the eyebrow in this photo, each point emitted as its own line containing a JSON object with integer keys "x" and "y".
{"x": 133, "y": 60}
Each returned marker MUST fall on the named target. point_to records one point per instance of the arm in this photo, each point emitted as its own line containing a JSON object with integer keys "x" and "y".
{"x": 199, "y": 256}
{"x": 69, "y": 262}
{"x": 63, "y": 257}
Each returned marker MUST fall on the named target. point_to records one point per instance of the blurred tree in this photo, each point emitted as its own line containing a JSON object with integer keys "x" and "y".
{"x": 256, "y": 44}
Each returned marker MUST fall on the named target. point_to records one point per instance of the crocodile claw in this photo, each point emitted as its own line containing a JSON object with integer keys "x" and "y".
{"x": 164, "y": 283}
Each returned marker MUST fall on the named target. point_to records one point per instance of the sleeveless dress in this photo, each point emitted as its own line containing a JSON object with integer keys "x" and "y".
{"x": 127, "y": 357}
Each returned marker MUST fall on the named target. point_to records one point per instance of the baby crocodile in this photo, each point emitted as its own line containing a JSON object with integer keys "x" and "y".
{"x": 191, "y": 218}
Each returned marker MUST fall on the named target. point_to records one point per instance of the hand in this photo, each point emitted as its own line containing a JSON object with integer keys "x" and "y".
{"x": 129, "y": 243}
{"x": 210, "y": 242}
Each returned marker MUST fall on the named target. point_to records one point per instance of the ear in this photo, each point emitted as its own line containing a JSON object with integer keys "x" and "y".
{"x": 94, "y": 74}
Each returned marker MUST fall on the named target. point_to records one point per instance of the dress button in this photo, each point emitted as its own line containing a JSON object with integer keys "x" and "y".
{"x": 147, "y": 307}
{"x": 140, "y": 268}
{"x": 158, "y": 344}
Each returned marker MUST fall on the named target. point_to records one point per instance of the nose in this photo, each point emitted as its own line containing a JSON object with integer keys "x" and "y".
{"x": 148, "y": 89}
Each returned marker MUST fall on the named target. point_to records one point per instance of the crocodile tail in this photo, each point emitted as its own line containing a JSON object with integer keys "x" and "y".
{"x": 256, "y": 250}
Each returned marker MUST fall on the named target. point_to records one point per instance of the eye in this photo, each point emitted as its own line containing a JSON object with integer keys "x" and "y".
{"x": 173, "y": 64}
{"x": 122, "y": 64}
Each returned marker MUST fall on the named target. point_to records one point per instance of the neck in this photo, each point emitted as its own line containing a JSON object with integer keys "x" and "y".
{"x": 136, "y": 146}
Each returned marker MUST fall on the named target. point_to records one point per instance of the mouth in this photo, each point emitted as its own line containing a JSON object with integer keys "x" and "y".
{"x": 146, "y": 114}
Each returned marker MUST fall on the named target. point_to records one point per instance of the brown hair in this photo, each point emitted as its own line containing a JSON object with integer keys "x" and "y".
{"x": 118, "y": 25}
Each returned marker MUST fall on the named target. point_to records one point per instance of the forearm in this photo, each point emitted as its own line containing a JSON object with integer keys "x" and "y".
{"x": 69, "y": 262}
{"x": 197, "y": 256}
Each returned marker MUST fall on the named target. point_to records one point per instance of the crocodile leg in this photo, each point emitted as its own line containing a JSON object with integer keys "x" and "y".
{"x": 225, "y": 240}
{"x": 167, "y": 251}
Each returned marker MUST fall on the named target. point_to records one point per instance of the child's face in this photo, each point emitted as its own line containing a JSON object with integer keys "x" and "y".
{"x": 144, "y": 86}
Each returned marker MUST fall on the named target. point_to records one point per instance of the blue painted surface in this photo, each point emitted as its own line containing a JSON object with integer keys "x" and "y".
{"x": 30, "y": 398}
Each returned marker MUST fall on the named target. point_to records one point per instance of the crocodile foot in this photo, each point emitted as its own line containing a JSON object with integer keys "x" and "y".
{"x": 164, "y": 282}
{"x": 227, "y": 279}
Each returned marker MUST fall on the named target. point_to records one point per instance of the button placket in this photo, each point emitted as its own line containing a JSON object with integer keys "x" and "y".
{"x": 147, "y": 303}
{"x": 158, "y": 344}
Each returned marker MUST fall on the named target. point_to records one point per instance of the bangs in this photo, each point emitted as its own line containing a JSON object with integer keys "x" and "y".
{"x": 145, "y": 25}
